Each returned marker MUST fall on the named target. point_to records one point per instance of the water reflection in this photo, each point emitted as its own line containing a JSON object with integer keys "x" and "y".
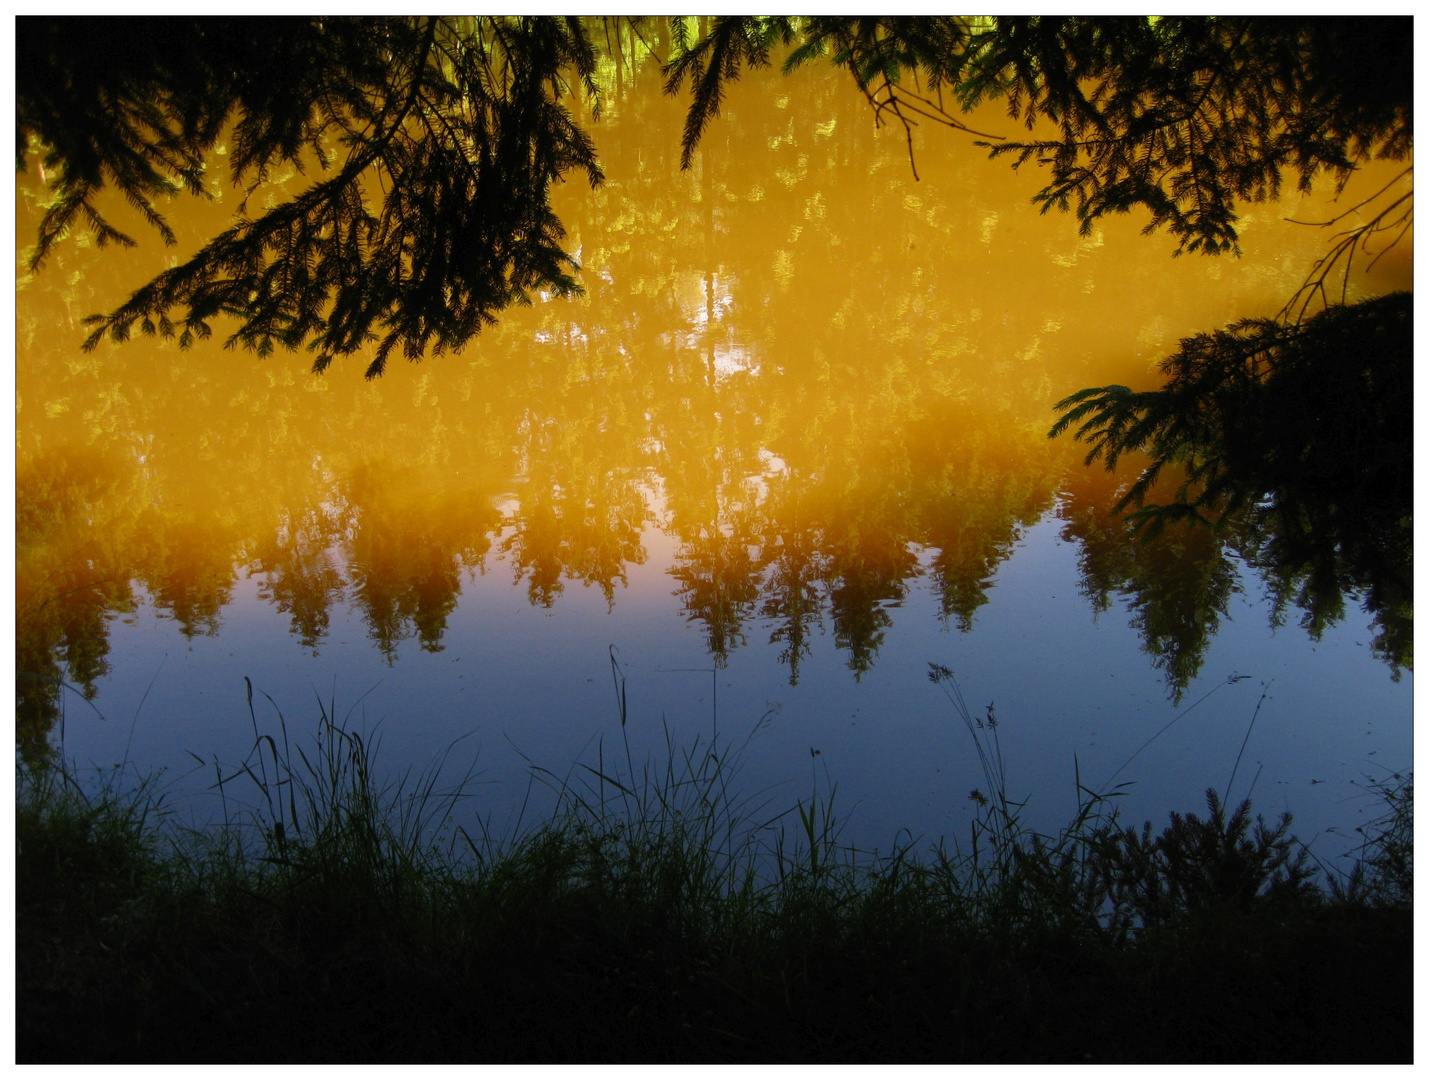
{"x": 69, "y": 580}
{"x": 817, "y": 378}
{"x": 1177, "y": 587}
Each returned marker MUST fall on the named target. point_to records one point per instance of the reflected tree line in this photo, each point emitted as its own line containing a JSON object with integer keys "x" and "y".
{"x": 815, "y": 440}
{"x": 809, "y": 547}
{"x": 776, "y": 556}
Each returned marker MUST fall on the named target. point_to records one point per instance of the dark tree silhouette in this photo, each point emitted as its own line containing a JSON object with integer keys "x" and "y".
{"x": 437, "y": 139}
{"x": 1300, "y": 434}
{"x": 1183, "y": 117}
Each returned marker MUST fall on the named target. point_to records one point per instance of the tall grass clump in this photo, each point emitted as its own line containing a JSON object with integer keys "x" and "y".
{"x": 1012, "y": 879}
{"x": 1100, "y": 875}
{"x": 1383, "y": 872}
{"x": 83, "y": 858}
{"x": 314, "y": 822}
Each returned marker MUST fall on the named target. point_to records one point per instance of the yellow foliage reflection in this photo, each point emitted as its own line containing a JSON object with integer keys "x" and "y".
{"x": 803, "y": 366}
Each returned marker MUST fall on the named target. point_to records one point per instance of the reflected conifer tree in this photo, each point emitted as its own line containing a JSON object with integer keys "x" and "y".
{"x": 713, "y": 506}
{"x": 793, "y": 592}
{"x": 868, "y": 568}
{"x": 407, "y": 553}
{"x": 974, "y": 509}
{"x": 718, "y": 586}
{"x": 581, "y": 441}
{"x": 69, "y": 581}
{"x": 558, "y": 534}
{"x": 302, "y": 565}
{"x": 188, "y": 567}
{"x": 1176, "y": 586}
{"x": 1179, "y": 593}
{"x": 62, "y": 648}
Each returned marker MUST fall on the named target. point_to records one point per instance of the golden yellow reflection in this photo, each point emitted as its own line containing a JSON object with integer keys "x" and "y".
{"x": 801, "y": 364}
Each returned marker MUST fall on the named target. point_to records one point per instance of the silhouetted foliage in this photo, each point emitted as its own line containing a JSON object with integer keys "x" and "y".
{"x": 458, "y": 124}
{"x": 877, "y": 51}
{"x": 1195, "y": 866}
{"x": 1337, "y": 380}
{"x": 439, "y": 140}
{"x": 1302, "y": 433}
{"x": 1183, "y": 116}
{"x": 1187, "y": 116}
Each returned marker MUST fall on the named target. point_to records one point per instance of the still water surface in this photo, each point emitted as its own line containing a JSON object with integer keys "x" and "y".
{"x": 788, "y": 449}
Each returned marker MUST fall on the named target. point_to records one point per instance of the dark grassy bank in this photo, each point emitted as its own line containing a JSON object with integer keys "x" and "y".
{"x": 657, "y": 917}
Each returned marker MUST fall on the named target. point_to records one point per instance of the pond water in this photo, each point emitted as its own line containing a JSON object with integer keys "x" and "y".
{"x": 789, "y": 448}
